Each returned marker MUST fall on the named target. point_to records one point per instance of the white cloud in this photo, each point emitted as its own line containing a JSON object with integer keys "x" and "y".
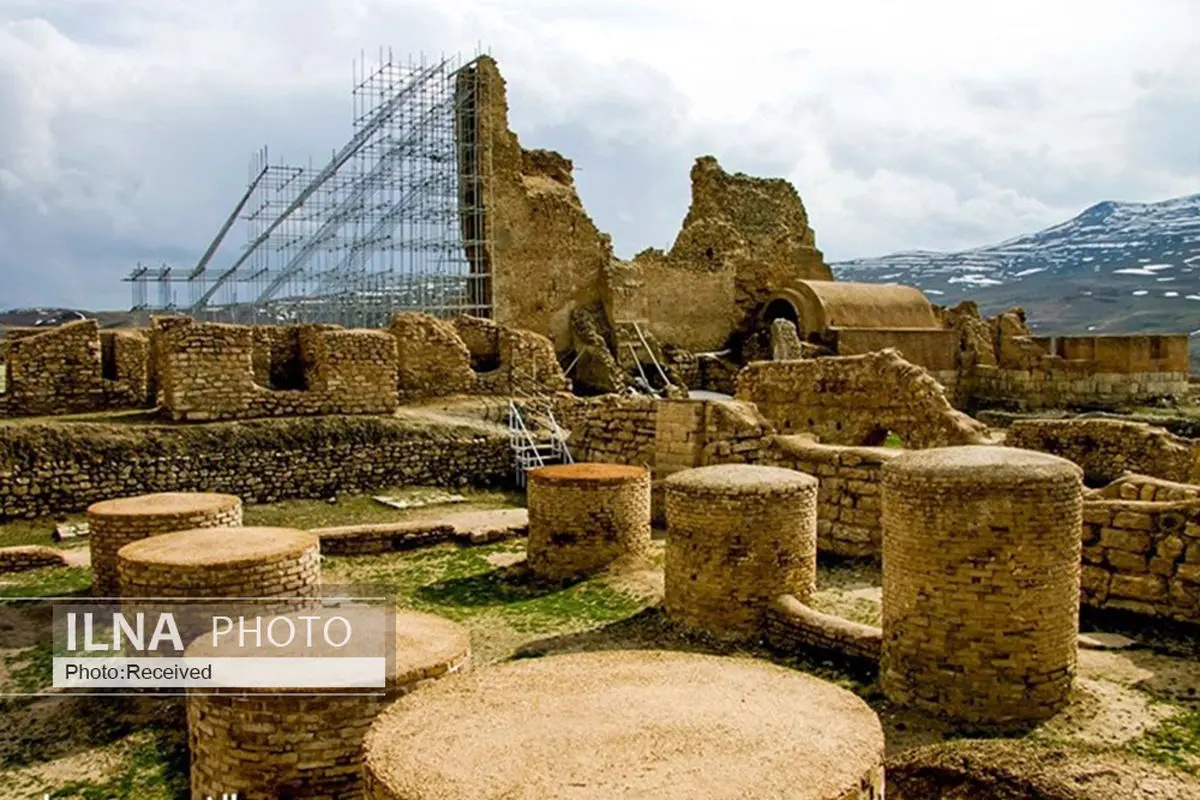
{"x": 927, "y": 124}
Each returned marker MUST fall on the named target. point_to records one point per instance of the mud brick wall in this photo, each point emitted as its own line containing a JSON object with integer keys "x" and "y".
{"x": 981, "y": 589}
{"x": 610, "y": 429}
{"x": 431, "y": 359}
{"x": 1107, "y": 448}
{"x": 53, "y": 468}
{"x": 857, "y": 400}
{"x": 584, "y": 517}
{"x": 738, "y": 537}
{"x": 353, "y": 371}
{"x": 1142, "y": 557}
{"x": 1070, "y": 384}
{"x": 114, "y": 524}
{"x": 293, "y": 569}
{"x": 848, "y": 500}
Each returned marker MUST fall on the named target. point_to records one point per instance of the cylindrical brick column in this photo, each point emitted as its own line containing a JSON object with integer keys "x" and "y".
{"x": 738, "y": 536}
{"x": 112, "y": 524}
{"x": 222, "y": 562}
{"x": 601, "y": 725}
{"x": 265, "y": 744}
{"x": 981, "y": 553}
{"x": 584, "y": 517}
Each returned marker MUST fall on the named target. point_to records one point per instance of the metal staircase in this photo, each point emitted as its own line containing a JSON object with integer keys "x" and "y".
{"x": 645, "y": 385}
{"x": 534, "y": 435}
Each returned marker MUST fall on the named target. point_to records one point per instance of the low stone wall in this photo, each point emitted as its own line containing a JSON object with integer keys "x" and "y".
{"x": 1142, "y": 557}
{"x": 857, "y": 400}
{"x": 1146, "y": 489}
{"x": 848, "y": 504}
{"x": 1058, "y": 383}
{"x": 27, "y": 557}
{"x": 1107, "y": 448}
{"x": 792, "y": 626}
{"x": 610, "y": 429}
{"x": 60, "y": 467}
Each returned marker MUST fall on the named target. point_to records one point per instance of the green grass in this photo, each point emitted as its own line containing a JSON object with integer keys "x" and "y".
{"x": 46, "y": 582}
{"x": 1175, "y": 742}
{"x": 361, "y": 508}
{"x": 154, "y": 768}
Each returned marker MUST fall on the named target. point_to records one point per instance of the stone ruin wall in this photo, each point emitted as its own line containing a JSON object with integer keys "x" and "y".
{"x": 743, "y": 238}
{"x": 547, "y": 254}
{"x": 857, "y": 400}
{"x": 1143, "y": 557}
{"x": 74, "y": 368}
{"x": 208, "y": 373}
{"x": 50, "y": 469}
{"x": 1107, "y": 448}
{"x": 1003, "y": 365}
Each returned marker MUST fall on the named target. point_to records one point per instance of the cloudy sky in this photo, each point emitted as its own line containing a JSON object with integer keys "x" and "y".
{"x": 126, "y": 125}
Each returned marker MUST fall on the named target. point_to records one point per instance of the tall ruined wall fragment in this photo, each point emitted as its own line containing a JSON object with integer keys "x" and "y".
{"x": 743, "y": 239}
{"x": 546, "y": 253}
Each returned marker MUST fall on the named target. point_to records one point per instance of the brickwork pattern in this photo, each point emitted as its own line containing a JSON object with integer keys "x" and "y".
{"x": 62, "y": 370}
{"x": 49, "y": 469}
{"x": 981, "y": 553}
{"x": 112, "y": 524}
{"x": 738, "y": 536}
{"x": 432, "y": 359}
{"x": 268, "y": 745}
{"x": 222, "y": 562}
{"x": 857, "y": 400}
{"x": 611, "y": 429}
{"x": 793, "y": 627}
{"x": 1142, "y": 556}
{"x": 27, "y": 557}
{"x": 1107, "y": 448}
{"x": 208, "y": 373}
{"x": 848, "y": 500}
{"x": 585, "y": 517}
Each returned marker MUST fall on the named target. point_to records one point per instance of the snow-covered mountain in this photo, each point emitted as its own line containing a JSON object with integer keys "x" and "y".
{"x": 1117, "y": 267}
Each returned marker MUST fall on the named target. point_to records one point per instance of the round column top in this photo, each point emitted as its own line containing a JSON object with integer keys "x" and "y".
{"x": 626, "y": 723}
{"x": 982, "y": 465}
{"x": 165, "y": 504}
{"x": 205, "y": 547}
{"x": 587, "y": 472}
{"x": 740, "y": 479}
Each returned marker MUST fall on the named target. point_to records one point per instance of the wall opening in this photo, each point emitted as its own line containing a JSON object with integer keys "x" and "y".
{"x": 781, "y": 309}
{"x": 108, "y": 357}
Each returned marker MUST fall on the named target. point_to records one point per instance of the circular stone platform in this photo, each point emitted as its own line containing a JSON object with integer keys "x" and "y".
{"x": 246, "y": 741}
{"x": 627, "y": 724}
{"x": 222, "y": 562}
{"x": 738, "y": 536}
{"x": 112, "y": 524}
{"x": 585, "y": 517}
{"x": 981, "y": 554}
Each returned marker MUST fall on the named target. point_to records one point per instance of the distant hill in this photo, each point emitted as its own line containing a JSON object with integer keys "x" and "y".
{"x": 50, "y": 317}
{"x": 1115, "y": 268}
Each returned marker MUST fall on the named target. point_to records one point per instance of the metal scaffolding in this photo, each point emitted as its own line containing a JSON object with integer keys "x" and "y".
{"x": 393, "y": 222}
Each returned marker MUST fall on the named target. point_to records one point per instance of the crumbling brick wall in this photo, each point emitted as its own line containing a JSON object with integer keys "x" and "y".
{"x": 1003, "y": 365}
{"x": 848, "y": 504}
{"x": 611, "y": 429}
{"x": 857, "y": 400}
{"x": 208, "y": 373}
{"x": 1107, "y": 448}
{"x": 70, "y": 369}
{"x": 546, "y": 253}
{"x": 1142, "y": 557}
{"x": 1147, "y": 489}
{"x": 431, "y": 358}
{"x": 510, "y": 361}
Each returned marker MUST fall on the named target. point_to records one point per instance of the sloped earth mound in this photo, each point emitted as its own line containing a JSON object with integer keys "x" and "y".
{"x": 1011, "y": 770}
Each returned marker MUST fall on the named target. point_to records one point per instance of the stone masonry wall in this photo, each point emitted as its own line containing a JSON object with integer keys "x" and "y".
{"x": 857, "y": 400}
{"x": 1107, "y": 448}
{"x": 1142, "y": 557}
{"x": 53, "y": 468}
{"x": 208, "y": 373}
{"x": 611, "y": 429}
{"x": 73, "y": 369}
{"x": 432, "y": 359}
{"x": 848, "y": 498}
